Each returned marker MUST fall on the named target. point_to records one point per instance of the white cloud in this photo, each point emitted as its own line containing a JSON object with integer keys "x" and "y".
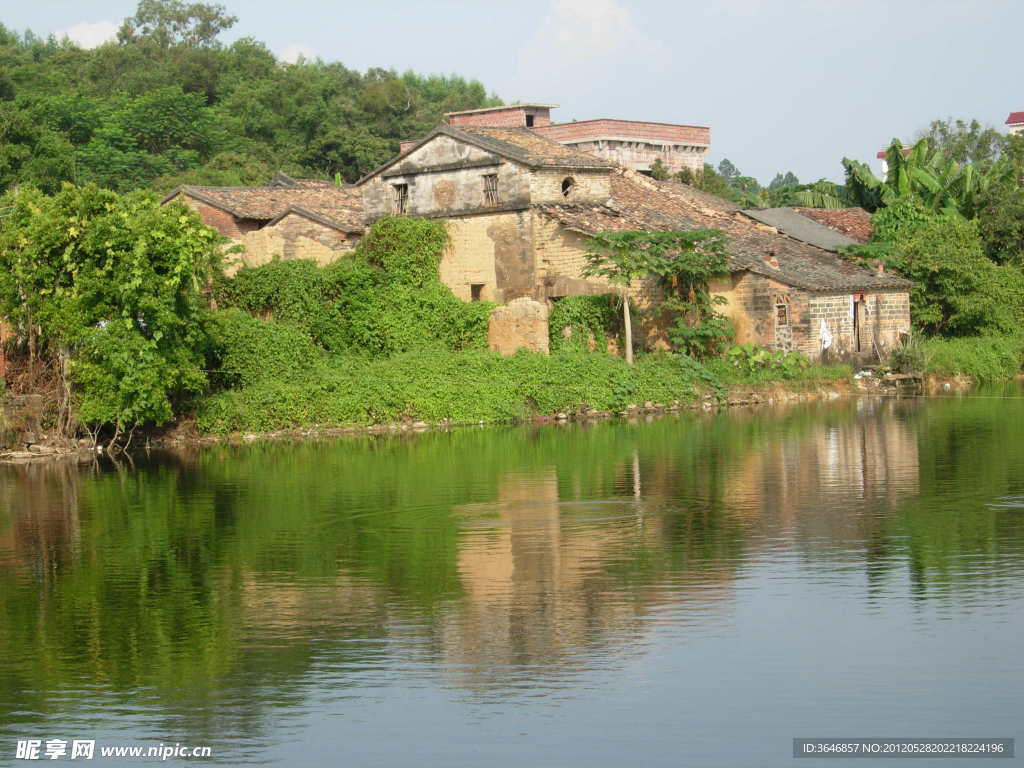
{"x": 292, "y": 53}
{"x": 89, "y": 34}
{"x": 577, "y": 40}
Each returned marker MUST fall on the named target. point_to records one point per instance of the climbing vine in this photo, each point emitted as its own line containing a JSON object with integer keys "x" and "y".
{"x": 584, "y": 322}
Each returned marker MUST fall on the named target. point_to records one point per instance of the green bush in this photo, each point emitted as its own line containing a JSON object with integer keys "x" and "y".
{"x": 244, "y": 350}
{"x": 431, "y": 385}
{"x": 986, "y": 358}
{"x": 383, "y": 299}
{"x": 591, "y": 321}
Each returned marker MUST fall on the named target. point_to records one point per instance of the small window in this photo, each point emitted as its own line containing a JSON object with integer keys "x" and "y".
{"x": 568, "y": 184}
{"x": 476, "y": 290}
{"x": 529, "y": 121}
{"x": 491, "y": 189}
{"x": 782, "y": 314}
{"x": 400, "y": 198}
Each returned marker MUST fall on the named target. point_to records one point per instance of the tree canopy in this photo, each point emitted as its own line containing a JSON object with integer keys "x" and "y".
{"x": 168, "y": 103}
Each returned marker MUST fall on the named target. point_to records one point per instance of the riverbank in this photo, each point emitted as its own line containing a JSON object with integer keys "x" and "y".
{"x": 39, "y": 445}
{"x": 562, "y": 389}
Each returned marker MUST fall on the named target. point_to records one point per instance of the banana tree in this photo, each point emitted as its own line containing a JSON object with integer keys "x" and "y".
{"x": 925, "y": 172}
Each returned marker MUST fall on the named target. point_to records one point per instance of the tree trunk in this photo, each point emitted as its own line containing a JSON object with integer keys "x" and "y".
{"x": 628, "y": 324}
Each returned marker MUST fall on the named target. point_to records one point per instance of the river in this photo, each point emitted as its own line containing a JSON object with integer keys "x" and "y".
{"x": 696, "y": 590}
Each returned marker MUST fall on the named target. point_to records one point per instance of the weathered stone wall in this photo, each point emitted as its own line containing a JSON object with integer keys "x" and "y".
{"x": 21, "y": 418}
{"x": 293, "y": 237}
{"x": 491, "y": 250}
{"x": 445, "y": 177}
{"x": 752, "y": 302}
{"x": 881, "y": 318}
{"x": 641, "y": 155}
{"x": 754, "y": 306}
{"x": 631, "y": 129}
{"x": 636, "y": 144}
{"x": 520, "y": 324}
{"x": 587, "y": 186}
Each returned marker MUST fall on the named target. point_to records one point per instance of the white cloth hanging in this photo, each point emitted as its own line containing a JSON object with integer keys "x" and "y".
{"x": 825, "y": 335}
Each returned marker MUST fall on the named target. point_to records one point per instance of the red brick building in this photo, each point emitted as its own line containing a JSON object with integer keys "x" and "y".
{"x": 632, "y": 144}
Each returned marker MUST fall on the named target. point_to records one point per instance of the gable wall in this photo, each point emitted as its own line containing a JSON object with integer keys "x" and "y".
{"x": 453, "y": 191}
{"x": 293, "y": 237}
{"x": 229, "y": 226}
{"x": 588, "y": 186}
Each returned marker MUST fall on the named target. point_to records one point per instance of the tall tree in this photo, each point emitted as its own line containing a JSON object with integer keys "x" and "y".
{"x": 171, "y": 22}
{"x": 965, "y": 142}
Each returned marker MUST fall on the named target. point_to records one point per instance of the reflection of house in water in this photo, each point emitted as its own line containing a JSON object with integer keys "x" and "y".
{"x": 543, "y": 582}
{"x": 827, "y": 479}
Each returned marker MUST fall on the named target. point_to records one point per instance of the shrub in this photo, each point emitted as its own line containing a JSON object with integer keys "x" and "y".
{"x": 986, "y": 358}
{"x": 590, "y": 320}
{"x": 383, "y": 299}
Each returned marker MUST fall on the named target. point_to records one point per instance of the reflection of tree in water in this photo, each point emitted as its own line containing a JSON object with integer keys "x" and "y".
{"x": 227, "y": 581}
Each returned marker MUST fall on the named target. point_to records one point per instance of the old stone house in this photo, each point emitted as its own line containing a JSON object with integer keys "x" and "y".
{"x": 521, "y": 208}
{"x": 287, "y": 218}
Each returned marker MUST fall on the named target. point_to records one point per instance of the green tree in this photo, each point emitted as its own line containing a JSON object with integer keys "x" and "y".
{"x": 1001, "y": 224}
{"x": 110, "y": 288}
{"x": 965, "y": 142}
{"x": 682, "y": 261}
{"x": 789, "y": 180}
{"x": 169, "y": 23}
{"x": 927, "y": 174}
{"x": 727, "y": 170}
{"x": 659, "y": 171}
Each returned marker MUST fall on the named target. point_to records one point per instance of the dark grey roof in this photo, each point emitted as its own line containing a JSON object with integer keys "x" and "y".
{"x": 801, "y": 228}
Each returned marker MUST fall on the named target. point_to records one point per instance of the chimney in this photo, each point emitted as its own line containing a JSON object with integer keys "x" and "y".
{"x": 881, "y": 269}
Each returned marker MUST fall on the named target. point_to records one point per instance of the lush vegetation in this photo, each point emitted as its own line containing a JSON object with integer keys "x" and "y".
{"x": 949, "y": 216}
{"x": 383, "y": 300}
{"x": 167, "y": 103}
{"x": 107, "y": 288}
{"x": 683, "y": 262}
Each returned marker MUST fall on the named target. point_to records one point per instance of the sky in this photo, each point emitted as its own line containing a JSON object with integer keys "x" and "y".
{"x": 785, "y": 85}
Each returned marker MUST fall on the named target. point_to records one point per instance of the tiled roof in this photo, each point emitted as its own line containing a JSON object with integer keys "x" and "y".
{"x": 641, "y": 203}
{"x": 852, "y": 222}
{"x": 531, "y": 148}
{"x": 344, "y": 217}
{"x": 1015, "y": 118}
{"x": 802, "y": 228}
{"x": 341, "y": 207}
{"x": 282, "y": 179}
{"x": 884, "y": 153}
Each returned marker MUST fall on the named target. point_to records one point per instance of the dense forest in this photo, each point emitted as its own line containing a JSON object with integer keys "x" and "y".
{"x": 167, "y": 103}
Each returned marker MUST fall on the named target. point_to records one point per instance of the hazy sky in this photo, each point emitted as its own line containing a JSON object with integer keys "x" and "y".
{"x": 784, "y": 85}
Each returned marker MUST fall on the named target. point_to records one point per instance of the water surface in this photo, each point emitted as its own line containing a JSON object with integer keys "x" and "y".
{"x": 696, "y": 591}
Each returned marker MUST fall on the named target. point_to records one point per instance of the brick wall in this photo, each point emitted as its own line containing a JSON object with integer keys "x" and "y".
{"x": 220, "y": 220}
{"x": 881, "y": 317}
{"x": 293, "y": 237}
{"x": 753, "y": 306}
{"x": 510, "y": 117}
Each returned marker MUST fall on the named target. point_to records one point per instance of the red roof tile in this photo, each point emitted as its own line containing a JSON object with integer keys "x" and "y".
{"x": 1015, "y": 118}
{"x": 640, "y": 203}
{"x": 852, "y": 222}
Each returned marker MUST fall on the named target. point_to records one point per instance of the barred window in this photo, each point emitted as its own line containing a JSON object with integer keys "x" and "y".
{"x": 491, "y": 189}
{"x": 400, "y": 198}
